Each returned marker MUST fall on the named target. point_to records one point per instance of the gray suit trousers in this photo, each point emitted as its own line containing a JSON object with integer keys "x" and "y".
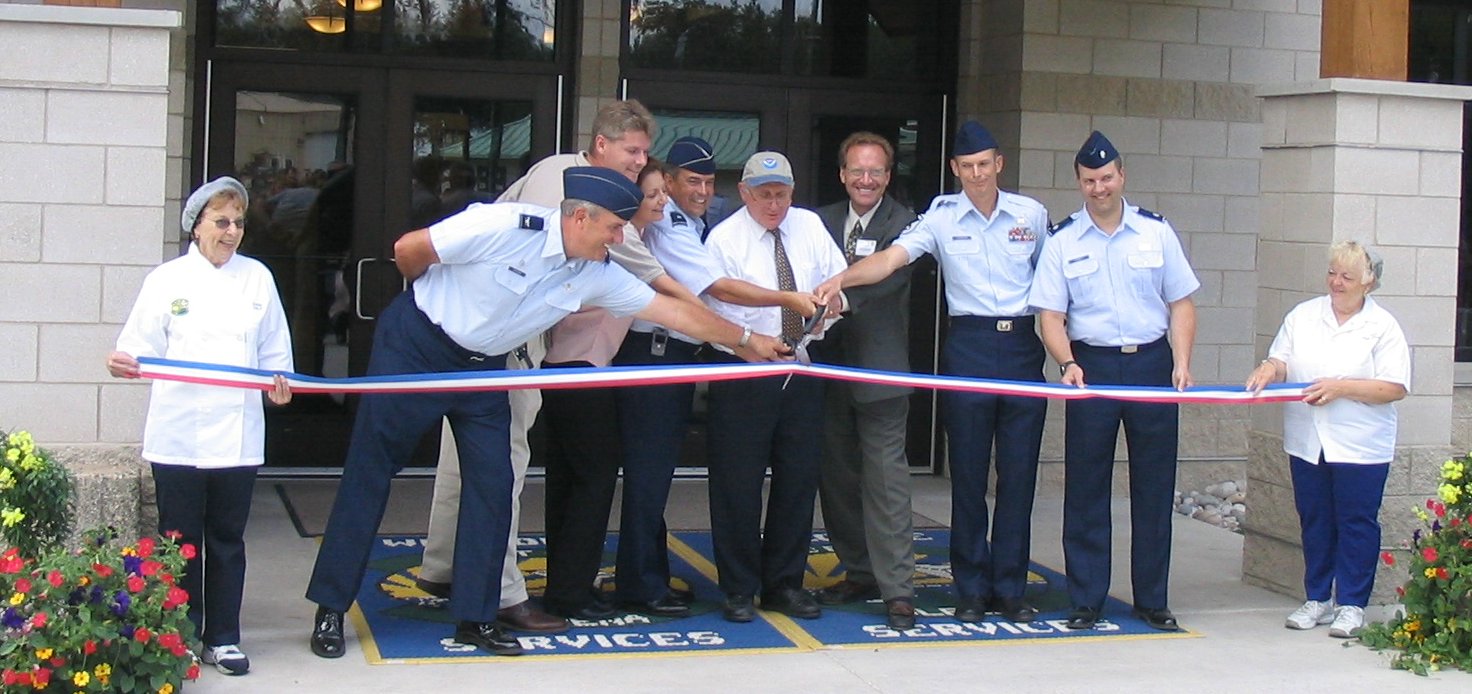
{"x": 865, "y": 489}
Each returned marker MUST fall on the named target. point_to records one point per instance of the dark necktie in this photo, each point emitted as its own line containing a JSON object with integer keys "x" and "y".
{"x": 852, "y": 244}
{"x": 791, "y": 320}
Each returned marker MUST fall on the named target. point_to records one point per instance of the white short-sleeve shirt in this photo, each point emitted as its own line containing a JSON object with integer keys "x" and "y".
{"x": 675, "y": 243}
{"x": 1314, "y": 345}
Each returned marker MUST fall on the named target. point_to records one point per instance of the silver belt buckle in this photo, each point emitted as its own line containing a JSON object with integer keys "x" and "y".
{"x": 1004, "y": 326}
{"x": 1129, "y": 349}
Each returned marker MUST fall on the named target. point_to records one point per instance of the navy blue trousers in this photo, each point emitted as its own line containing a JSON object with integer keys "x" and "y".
{"x": 387, "y": 430}
{"x": 1150, "y": 431}
{"x": 654, "y": 421}
{"x": 1339, "y": 511}
{"x": 755, "y": 424}
{"x": 209, "y": 508}
{"x": 974, "y": 422}
{"x": 584, "y": 451}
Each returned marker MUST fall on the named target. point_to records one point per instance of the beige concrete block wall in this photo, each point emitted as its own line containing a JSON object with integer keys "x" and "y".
{"x": 1172, "y": 85}
{"x": 84, "y": 102}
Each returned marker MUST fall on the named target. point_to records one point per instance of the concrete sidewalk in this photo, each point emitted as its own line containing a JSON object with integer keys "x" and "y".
{"x": 1243, "y": 646}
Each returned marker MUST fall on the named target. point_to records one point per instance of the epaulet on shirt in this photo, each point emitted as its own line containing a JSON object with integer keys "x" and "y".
{"x": 1060, "y": 225}
{"x": 1150, "y": 214}
{"x": 677, "y": 218}
{"x": 531, "y": 222}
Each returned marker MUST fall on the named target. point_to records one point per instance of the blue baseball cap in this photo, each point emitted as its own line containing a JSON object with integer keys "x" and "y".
{"x": 1096, "y": 152}
{"x": 605, "y": 188}
{"x": 971, "y": 138}
{"x": 694, "y": 154}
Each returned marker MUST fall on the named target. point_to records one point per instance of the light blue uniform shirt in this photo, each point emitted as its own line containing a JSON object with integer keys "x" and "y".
{"x": 987, "y": 263}
{"x": 1116, "y": 290}
{"x": 675, "y": 242}
{"x": 503, "y": 278}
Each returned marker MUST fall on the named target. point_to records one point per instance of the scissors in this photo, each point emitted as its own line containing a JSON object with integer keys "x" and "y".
{"x": 808, "y": 325}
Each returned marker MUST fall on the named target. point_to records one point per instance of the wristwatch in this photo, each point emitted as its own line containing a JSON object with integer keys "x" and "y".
{"x": 1063, "y": 368}
{"x": 745, "y": 336}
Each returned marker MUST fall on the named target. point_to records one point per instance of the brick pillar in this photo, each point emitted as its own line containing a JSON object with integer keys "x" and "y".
{"x": 1377, "y": 162}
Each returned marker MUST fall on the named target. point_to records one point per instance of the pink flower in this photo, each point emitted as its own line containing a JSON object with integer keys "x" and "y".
{"x": 145, "y": 547}
{"x": 186, "y": 550}
{"x": 38, "y": 620}
{"x": 136, "y": 584}
{"x": 55, "y": 579}
{"x": 1429, "y": 554}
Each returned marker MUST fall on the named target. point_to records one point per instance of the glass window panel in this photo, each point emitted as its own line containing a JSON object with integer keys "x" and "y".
{"x": 734, "y": 137}
{"x": 499, "y": 29}
{"x": 882, "y": 39}
{"x": 305, "y": 25}
{"x": 719, "y": 35}
{"x": 465, "y": 151}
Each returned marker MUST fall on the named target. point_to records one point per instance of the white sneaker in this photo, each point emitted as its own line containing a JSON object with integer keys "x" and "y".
{"x": 1348, "y": 620}
{"x": 227, "y": 659}
{"x": 1311, "y": 614}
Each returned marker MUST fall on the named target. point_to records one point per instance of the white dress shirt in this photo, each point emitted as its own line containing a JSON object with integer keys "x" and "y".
{"x": 190, "y": 310}
{"x": 987, "y": 263}
{"x": 744, "y": 250}
{"x": 675, "y": 243}
{"x": 1369, "y": 345}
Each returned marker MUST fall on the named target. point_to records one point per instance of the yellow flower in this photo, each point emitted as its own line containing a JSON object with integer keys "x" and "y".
{"x": 103, "y": 672}
{"x": 12, "y": 454}
{"x": 128, "y": 551}
{"x": 81, "y": 678}
{"x": 1430, "y": 572}
{"x": 1449, "y": 493}
{"x": 1421, "y": 513}
{"x": 1452, "y": 470}
{"x": 1413, "y": 625}
{"x": 168, "y": 688}
{"x": 11, "y": 516}
{"x": 7, "y": 478}
{"x": 17, "y": 599}
{"x": 43, "y": 654}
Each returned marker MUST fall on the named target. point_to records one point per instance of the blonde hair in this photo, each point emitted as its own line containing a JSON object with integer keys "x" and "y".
{"x": 1349, "y": 254}
{"x": 620, "y": 117}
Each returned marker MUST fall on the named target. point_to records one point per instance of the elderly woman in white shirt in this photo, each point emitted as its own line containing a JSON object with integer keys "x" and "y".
{"x": 205, "y": 443}
{"x": 1340, "y": 438}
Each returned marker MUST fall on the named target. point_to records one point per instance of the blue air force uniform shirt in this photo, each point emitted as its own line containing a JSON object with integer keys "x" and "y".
{"x": 987, "y": 263}
{"x": 503, "y": 277}
{"x": 675, "y": 242}
{"x": 1116, "y": 290}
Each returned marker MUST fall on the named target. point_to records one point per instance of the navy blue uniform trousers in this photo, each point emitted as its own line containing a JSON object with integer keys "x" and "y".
{"x": 209, "y": 508}
{"x": 584, "y": 452}
{"x": 754, "y": 424}
{"x": 1150, "y": 432}
{"x": 653, "y": 420}
{"x": 387, "y": 430}
{"x": 973, "y": 421}
{"x": 1339, "y": 514}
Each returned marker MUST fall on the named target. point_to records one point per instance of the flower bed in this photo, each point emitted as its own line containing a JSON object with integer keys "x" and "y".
{"x": 1434, "y": 628}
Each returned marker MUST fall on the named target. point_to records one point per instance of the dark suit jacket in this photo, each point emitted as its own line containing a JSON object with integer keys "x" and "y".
{"x": 875, "y": 334}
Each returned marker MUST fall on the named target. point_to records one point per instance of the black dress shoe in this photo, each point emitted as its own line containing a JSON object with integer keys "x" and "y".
{"x": 846, "y": 591}
{"x": 1160, "y": 618}
{"x": 970, "y": 610}
{"x": 1082, "y": 618}
{"x": 899, "y": 613}
{"x": 793, "y": 602}
{"x": 327, "y": 639}
{"x": 435, "y": 588}
{"x": 665, "y": 606}
{"x": 1014, "y": 609}
{"x": 487, "y": 636}
{"x": 680, "y": 595}
{"x": 738, "y": 608}
{"x": 593, "y": 610}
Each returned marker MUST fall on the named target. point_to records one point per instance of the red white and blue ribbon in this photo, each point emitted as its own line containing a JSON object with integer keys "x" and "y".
{"x": 589, "y": 377}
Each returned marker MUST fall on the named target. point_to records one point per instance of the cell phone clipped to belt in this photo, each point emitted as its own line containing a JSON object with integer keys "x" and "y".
{"x": 657, "y": 341}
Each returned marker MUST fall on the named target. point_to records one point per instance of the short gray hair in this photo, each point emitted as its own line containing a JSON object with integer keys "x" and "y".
{"x": 1354, "y": 254}
{"x": 570, "y": 207}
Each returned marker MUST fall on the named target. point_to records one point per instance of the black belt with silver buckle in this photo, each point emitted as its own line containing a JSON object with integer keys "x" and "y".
{"x": 1001, "y": 324}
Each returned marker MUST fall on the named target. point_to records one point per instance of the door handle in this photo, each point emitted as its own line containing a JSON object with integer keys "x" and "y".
{"x": 358, "y": 289}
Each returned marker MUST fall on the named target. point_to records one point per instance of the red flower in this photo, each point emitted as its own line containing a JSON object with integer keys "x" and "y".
{"x": 1429, "y": 554}
{"x": 9, "y": 677}
{"x": 192, "y": 673}
{"x": 176, "y": 596}
{"x": 142, "y": 634}
{"x": 22, "y": 585}
{"x": 150, "y": 567}
{"x": 1400, "y": 590}
{"x": 1431, "y": 504}
{"x": 102, "y": 570}
{"x": 10, "y": 563}
{"x": 1388, "y": 558}
{"x": 1442, "y": 573}
{"x": 1455, "y": 522}
{"x": 89, "y": 647}
{"x": 145, "y": 547}
{"x": 167, "y": 578}
{"x": 1467, "y": 544}
{"x": 186, "y": 550}
{"x": 38, "y": 620}
{"x": 55, "y": 579}
{"x": 173, "y": 535}
{"x": 58, "y": 661}
{"x": 169, "y": 640}
{"x": 136, "y": 584}
{"x": 41, "y": 677}
{"x": 179, "y": 650}
{"x": 1440, "y": 510}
